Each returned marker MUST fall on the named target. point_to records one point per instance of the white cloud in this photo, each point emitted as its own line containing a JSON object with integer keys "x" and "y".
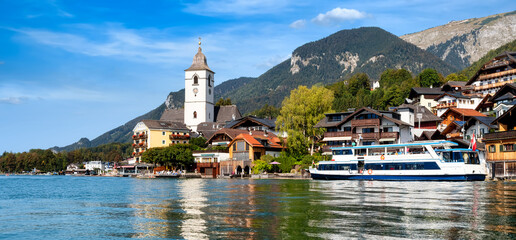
{"x": 298, "y": 24}
{"x": 13, "y": 100}
{"x": 236, "y": 7}
{"x": 18, "y": 93}
{"x": 338, "y": 15}
{"x": 115, "y": 42}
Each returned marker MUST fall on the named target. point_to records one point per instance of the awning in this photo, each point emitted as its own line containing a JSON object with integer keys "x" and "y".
{"x": 127, "y": 166}
{"x": 387, "y": 139}
{"x": 326, "y": 139}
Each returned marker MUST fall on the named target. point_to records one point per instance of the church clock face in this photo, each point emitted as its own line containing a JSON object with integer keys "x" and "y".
{"x": 195, "y": 91}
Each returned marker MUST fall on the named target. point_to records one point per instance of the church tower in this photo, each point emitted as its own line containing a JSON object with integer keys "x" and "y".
{"x": 199, "y": 84}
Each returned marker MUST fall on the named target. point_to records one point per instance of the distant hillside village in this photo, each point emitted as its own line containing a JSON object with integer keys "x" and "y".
{"x": 482, "y": 109}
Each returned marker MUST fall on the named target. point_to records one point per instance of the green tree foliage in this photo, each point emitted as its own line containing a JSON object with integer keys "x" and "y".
{"x": 455, "y": 77}
{"x": 430, "y": 78}
{"x": 49, "y": 161}
{"x": 287, "y": 162}
{"x": 267, "y": 111}
{"x": 299, "y": 113}
{"x": 394, "y": 78}
{"x": 200, "y": 142}
{"x": 395, "y": 85}
{"x": 178, "y": 155}
{"x": 223, "y": 102}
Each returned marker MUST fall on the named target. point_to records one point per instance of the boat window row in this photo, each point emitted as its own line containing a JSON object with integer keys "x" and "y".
{"x": 465, "y": 157}
{"x": 337, "y": 167}
{"x": 381, "y": 151}
{"x": 382, "y": 166}
{"x": 402, "y": 166}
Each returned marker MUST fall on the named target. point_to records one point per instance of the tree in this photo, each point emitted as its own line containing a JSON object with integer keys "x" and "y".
{"x": 223, "y": 102}
{"x": 267, "y": 111}
{"x": 199, "y": 142}
{"x": 394, "y": 77}
{"x": 430, "y": 78}
{"x": 455, "y": 77}
{"x": 299, "y": 113}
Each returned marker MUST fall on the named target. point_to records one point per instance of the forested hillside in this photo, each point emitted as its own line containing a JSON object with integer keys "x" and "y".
{"x": 369, "y": 50}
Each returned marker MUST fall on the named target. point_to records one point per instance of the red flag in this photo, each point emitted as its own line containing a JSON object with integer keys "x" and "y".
{"x": 473, "y": 143}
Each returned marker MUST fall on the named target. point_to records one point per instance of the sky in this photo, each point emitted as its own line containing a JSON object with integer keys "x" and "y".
{"x": 76, "y": 68}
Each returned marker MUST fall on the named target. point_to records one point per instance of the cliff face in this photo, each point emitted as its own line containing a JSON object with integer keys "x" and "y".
{"x": 461, "y": 43}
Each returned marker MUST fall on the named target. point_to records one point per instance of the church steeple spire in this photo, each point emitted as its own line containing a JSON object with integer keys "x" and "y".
{"x": 199, "y": 61}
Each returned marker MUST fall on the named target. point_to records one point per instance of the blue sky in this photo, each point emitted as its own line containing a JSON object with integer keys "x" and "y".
{"x": 72, "y": 69}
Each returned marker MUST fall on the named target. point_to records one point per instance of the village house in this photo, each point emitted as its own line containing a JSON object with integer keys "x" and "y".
{"x": 504, "y": 99}
{"x": 364, "y": 126}
{"x": 423, "y": 121}
{"x": 501, "y": 146}
{"x": 494, "y": 74}
{"x": 207, "y": 162}
{"x": 157, "y": 133}
{"x": 454, "y": 86}
{"x": 252, "y": 123}
{"x": 425, "y": 97}
{"x": 453, "y": 121}
{"x": 456, "y": 100}
{"x": 248, "y": 147}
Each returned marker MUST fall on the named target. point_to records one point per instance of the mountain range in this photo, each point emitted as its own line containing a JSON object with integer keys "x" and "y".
{"x": 370, "y": 50}
{"x": 460, "y": 43}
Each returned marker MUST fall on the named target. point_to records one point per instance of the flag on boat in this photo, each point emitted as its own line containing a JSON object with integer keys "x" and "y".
{"x": 473, "y": 143}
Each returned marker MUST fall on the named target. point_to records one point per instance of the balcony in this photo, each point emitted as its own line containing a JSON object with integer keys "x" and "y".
{"x": 338, "y": 134}
{"x": 365, "y": 122}
{"x": 389, "y": 135}
{"x": 139, "y": 136}
{"x": 492, "y": 85}
{"x": 500, "y": 136}
{"x": 496, "y": 75}
{"x": 373, "y": 135}
{"x": 496, "y": 64}
{"x": 179, "y": 136}
{"x": 446, "y": 105}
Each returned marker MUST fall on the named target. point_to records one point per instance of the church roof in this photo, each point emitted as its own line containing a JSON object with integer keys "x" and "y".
{"x": 173, "y": 115}
{"x": 199, "y": 62}
{"x": 226, "y": 113}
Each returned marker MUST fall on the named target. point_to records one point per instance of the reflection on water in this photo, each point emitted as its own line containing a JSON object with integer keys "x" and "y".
{"x": 72, "y": 207}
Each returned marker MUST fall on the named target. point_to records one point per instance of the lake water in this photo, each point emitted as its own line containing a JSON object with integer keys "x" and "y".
{"x": 66, "y": 207}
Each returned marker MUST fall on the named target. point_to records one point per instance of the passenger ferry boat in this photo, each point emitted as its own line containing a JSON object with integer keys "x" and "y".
{"x": 417, "y": 161}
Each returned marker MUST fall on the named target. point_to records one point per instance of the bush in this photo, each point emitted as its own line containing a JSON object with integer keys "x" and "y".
{"x": 260, "y": 166}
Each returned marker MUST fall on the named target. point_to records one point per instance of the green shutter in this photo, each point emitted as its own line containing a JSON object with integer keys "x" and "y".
{"x": 501, "y": 147}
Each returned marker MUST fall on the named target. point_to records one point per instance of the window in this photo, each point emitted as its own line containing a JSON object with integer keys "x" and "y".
{"x": 209, "y": 82}
{"x": 234, "y": 146}
{"x": 367, "y": 130}
{"x": 368, "y": 116}
{"x": 194, "y": 114}
{"x": 507, "y": 148}
{"x": 163, "y": 133}
{"x": 387, "y": 129}
{"x": 334, "y": 118}
{"x": 347, "y": 129}
{"x": 195, "y": 80}
{"x": 246, "y": 146}
{"x": 163, "y": 142}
